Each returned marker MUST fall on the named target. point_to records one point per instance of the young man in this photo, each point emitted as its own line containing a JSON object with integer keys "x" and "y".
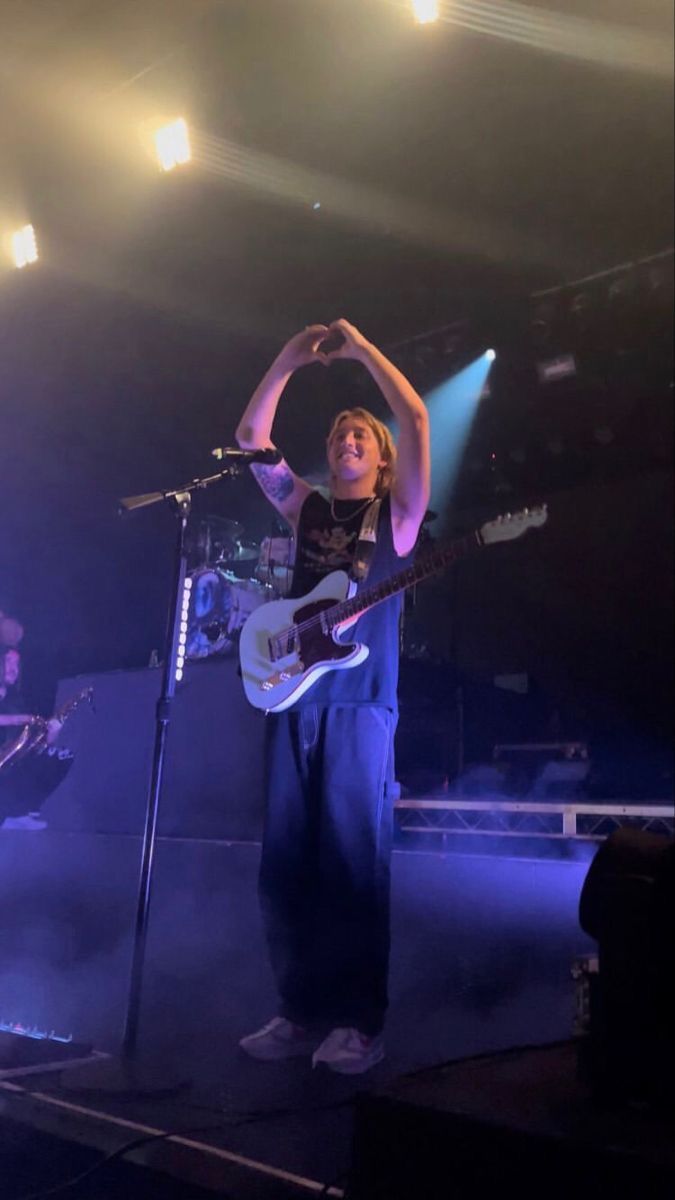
{"x": 324, "y": 876}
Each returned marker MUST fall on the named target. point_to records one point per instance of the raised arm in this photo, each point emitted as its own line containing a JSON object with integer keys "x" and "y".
{"x": 412, "y": 483}
{"x": 283, "y": 488}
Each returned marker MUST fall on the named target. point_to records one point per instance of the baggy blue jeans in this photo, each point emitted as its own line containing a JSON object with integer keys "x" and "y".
{"x": 325, "y": 867}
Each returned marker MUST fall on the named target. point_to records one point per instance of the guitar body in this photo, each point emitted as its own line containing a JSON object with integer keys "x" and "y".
{"x": 273, "y": 682}
{"x": 33, "y": 736}
{"x": 19, "y": 746}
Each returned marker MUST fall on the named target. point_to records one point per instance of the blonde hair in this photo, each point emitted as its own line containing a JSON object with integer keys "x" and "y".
{"x": 385, "y": 474}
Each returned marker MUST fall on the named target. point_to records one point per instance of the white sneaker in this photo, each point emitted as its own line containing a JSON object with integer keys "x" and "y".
{"x": 349, "y": 1052}
{"x": 278, "y": 1039}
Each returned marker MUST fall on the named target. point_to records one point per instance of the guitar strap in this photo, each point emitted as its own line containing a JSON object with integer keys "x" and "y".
{"x": 365, "y": 546}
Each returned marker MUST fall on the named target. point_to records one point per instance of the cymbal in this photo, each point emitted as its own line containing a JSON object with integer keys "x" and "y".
{"x": 223, "y": 525}
{"x": 243, "y": 552}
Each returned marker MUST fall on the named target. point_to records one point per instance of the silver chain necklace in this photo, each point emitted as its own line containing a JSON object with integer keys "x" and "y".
{"x": 351, "y": 515}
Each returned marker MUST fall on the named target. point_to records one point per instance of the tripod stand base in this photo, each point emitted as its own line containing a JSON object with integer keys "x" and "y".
{"x": 122, "y": 1077}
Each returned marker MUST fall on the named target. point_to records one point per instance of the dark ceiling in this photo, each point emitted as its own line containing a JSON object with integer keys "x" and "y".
{"x": 447, "y": 162}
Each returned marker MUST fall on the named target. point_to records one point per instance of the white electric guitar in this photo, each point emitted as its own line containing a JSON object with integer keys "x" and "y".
{"x": 286, "y": 645}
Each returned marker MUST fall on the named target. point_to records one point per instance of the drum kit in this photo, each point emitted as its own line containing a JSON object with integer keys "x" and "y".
{"x": 231, "y": 576}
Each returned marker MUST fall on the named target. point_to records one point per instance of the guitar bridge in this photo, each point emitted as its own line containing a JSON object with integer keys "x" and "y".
{"x": 281, "y": 677}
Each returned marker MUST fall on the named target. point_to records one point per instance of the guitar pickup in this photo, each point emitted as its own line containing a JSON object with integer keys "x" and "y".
{"x": 283, "y": 644}
{"x": 281, "y": 677}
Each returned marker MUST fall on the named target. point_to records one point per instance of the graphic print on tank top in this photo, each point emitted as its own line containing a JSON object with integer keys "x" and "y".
{"x": 325, "y": 543}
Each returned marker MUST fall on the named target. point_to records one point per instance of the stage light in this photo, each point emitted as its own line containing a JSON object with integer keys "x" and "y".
{"x": 491, "y": 355}
{"x": 24, "y": 246}
{"x": 172, "y": 144}
{"x": 426, "y": 11}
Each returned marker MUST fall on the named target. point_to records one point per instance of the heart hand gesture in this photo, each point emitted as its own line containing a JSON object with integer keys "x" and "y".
{"x": 344, "y": 340}
{"x": 303, "y": 348}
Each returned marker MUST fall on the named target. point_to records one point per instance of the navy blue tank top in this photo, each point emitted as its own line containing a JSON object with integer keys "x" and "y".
{"x": 327, "y": 543}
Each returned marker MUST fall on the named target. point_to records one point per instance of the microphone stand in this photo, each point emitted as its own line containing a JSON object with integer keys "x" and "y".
{"x": 124, "y": 1075}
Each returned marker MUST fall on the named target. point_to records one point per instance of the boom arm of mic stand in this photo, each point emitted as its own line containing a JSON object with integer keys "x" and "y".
{"x": 128, "y": 504}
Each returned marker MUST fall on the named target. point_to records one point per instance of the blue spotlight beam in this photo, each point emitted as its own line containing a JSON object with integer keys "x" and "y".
{"x": 452, "y": 410}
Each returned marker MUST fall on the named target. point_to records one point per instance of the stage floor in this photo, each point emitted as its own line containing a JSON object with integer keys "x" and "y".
{"x": 481, "y": 958}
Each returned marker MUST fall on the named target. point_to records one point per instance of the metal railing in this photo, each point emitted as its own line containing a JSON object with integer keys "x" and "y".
{"x": 582, "y": 820}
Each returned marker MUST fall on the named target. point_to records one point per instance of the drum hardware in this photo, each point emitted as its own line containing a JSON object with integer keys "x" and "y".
{"x": 243, "y": 552}
{"x": 220, "y": 603}
{"x": 275, "y": 564}
{"x": 213, "y": 539}
{"x": 213, "y": 631}
{"x": 241, "y": 560}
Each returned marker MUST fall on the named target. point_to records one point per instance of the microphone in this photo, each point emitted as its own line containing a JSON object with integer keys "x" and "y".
{"x": 235, "y": 455}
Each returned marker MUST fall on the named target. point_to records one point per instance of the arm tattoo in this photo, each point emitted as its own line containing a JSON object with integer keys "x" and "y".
{"x": 276, "y": 482}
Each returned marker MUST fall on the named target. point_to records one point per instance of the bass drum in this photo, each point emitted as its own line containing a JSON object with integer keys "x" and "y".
{"x": 219, "y": 606}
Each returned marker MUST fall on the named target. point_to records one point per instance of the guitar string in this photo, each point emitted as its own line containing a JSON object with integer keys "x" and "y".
{"x": 444, "y": 558}
{"x": 437, "y": 559}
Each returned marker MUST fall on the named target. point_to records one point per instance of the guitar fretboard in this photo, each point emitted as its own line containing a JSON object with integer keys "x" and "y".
{"x": 428, "y": 564}
{"x": 502, "y": 529}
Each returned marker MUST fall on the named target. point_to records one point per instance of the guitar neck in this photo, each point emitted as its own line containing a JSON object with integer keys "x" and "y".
{"x": 69, "y": 707}
{"x": 428, "y": 564}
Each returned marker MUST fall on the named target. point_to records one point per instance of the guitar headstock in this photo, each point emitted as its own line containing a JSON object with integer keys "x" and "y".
{"x": 513, "y": 525}
{"x": 87, "y": 694}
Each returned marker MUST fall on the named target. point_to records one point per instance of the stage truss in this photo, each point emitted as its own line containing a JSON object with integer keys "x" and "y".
{"x": 522, "y": 818}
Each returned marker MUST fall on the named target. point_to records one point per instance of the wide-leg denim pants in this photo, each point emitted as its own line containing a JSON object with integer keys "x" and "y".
{"x": 325, "y": 869}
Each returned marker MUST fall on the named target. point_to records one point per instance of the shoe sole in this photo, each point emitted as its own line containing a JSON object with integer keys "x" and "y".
{"x": 350, "y": 1068}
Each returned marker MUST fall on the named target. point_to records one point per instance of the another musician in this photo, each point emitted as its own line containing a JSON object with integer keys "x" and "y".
{"x": 24, "y": 787}
{"x": 324, "y": 877}
{"x": 12, "y": 706}
{"x": 11, "y": 632}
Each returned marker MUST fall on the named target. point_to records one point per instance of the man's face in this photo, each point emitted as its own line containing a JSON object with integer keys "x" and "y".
{"x": 11, "y": 668}
{"x": 353, "y": 450}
